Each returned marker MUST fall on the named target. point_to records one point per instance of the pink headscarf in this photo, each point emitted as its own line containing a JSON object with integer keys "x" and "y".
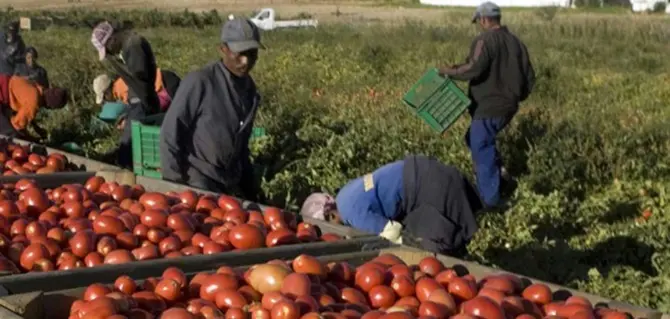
{"x": 316, "y": 206}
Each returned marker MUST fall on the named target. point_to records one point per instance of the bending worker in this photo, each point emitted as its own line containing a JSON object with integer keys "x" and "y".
{"x": 131, "y": 56}
{"x": 21, "y": 99}
{"x": 416, "y": 200}
{"x": 501, "y": 76}
{"x": 108, "y": 90}
{"x": 204, "y": 140}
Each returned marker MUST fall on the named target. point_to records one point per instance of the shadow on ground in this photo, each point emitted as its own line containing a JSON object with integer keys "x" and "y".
{"x": 561, "y": 263}
{"x": 525, "y": 130}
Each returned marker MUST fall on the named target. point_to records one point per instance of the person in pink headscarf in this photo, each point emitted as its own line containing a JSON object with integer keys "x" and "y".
{"x": 132, "y": 58}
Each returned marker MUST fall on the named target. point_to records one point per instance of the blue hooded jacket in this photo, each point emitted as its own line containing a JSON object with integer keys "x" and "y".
{"x": 369, "y": 202}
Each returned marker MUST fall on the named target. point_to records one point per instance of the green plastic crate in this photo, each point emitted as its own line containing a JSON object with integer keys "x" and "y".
{"x": 437, "y": 100}
{"x": 146, "y": 149}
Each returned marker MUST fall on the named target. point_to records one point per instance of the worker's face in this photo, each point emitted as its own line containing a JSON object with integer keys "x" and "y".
{"x": 30, "y": 59}
{"x": 486, "y": 23}
{"x": 109, "y": 95}
{"x": 333, "y": 216}
{"x": 239, "y": 63}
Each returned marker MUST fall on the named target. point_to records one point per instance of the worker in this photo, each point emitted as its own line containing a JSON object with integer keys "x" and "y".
{"x": 131, "y": 56}
{"x": 20, "y": 100}
{"x": 204, "y": 139}
{"x": 12, "y": 48}
{"x": 108, "y": 90}
{"x": 417, "y": 200}
{"x": 500, "y": 76}
{"x": 33, "y": 70}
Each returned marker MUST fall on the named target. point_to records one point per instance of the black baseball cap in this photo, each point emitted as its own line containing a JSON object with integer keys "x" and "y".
{"x": 487, "y": 9}
{"x": 240, "y": 34}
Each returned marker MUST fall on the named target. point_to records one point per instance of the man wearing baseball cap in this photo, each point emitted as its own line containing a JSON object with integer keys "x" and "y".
{"x": 501, "y": 76}
{"x": 416, "y": 201}
{"x": 132, "y": 58}
{"x": 205, "y": 133}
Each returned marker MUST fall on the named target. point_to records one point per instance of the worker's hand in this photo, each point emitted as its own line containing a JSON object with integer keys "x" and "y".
{"x": 121, "y": 124}
{"x": 42, "y": 133}
{"x": 444, "y": 70}
{"x": 392, "y": 232}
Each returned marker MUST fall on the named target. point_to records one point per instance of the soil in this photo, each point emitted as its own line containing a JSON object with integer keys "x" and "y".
{"x": 324, "y": 11}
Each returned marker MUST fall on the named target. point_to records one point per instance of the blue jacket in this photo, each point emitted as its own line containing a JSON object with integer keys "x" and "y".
{"x": 369, "y": 202}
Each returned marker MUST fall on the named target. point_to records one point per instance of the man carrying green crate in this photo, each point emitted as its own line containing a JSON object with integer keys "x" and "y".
{"x": 205, "y": 134}
{"x": 414, "y": 201}
{"x": 500, "y": 76}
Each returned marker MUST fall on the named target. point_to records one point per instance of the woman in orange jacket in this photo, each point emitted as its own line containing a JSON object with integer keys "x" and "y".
{"x": 20, "y": 100}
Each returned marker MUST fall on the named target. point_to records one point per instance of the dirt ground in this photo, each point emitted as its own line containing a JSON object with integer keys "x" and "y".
{"x": 326, "y": 11}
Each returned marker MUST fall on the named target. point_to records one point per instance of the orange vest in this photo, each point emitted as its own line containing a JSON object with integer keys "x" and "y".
{"x": 120, "y": 89}
{"x": 24, "y": 99}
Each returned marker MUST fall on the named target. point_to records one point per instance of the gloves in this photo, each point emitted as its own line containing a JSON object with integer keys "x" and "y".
{"x": 392, "y": 232}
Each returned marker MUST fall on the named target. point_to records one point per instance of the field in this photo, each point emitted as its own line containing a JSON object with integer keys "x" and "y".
{"x": 591, "y": 147}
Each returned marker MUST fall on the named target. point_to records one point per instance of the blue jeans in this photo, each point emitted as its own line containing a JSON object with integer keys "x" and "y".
{"x": 481, "y": 139}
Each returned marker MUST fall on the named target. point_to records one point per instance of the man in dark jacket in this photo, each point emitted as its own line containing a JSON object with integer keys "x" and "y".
{"x": 417, "y": 200}
{"x": 133, "y": 60}
{"x": 205, "y": 133}
{"x": 501, "y": 76}
{"x": 12, "y": 49}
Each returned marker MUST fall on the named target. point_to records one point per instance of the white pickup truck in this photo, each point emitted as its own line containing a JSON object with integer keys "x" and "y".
{"x": 265, "y": 20}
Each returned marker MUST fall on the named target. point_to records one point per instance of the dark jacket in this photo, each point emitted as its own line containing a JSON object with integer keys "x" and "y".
{"x": 36, "y": 74}
{"x": 500, "y": 74}
{"x": 205, "y": 133}
{"x": 138, "y": 71}
{"x": 439, "y": 206}
{"x": 11, "y": 54}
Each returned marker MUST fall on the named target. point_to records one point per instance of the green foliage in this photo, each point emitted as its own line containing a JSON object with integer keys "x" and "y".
{"x": 590, "y": 146}
{"x": 659, "y": 7}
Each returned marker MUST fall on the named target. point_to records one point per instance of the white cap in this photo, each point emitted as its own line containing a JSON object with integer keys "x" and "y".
{"x": 100, "y": 84}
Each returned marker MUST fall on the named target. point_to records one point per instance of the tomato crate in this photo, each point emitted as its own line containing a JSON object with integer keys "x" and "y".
{"x": 146, "y": 145}
{"x": 437, "y": 100}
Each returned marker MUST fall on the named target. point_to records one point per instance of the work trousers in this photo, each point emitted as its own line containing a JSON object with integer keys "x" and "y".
{"x": 6, "y": 127}
{"x": 125, "y": 152}
{"x": 481, "y": 139}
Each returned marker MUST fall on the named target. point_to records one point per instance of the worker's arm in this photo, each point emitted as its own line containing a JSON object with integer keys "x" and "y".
{"x": 140, "y": 62}
{"x": 478, "y": 62}
{"x": 177, "y": 128}
{"x": 25, "y": 98}
{"x": 529, "y": 73}
{"x": 141, "y": 65}
{"x": 19, "y": 55}
{"x": 43, "y": 77}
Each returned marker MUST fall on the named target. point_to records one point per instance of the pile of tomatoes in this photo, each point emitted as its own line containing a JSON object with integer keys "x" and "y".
{"x": 306, "y": 288}
{"x": 17, "y": 159}
{"x": 100, "y": 222}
